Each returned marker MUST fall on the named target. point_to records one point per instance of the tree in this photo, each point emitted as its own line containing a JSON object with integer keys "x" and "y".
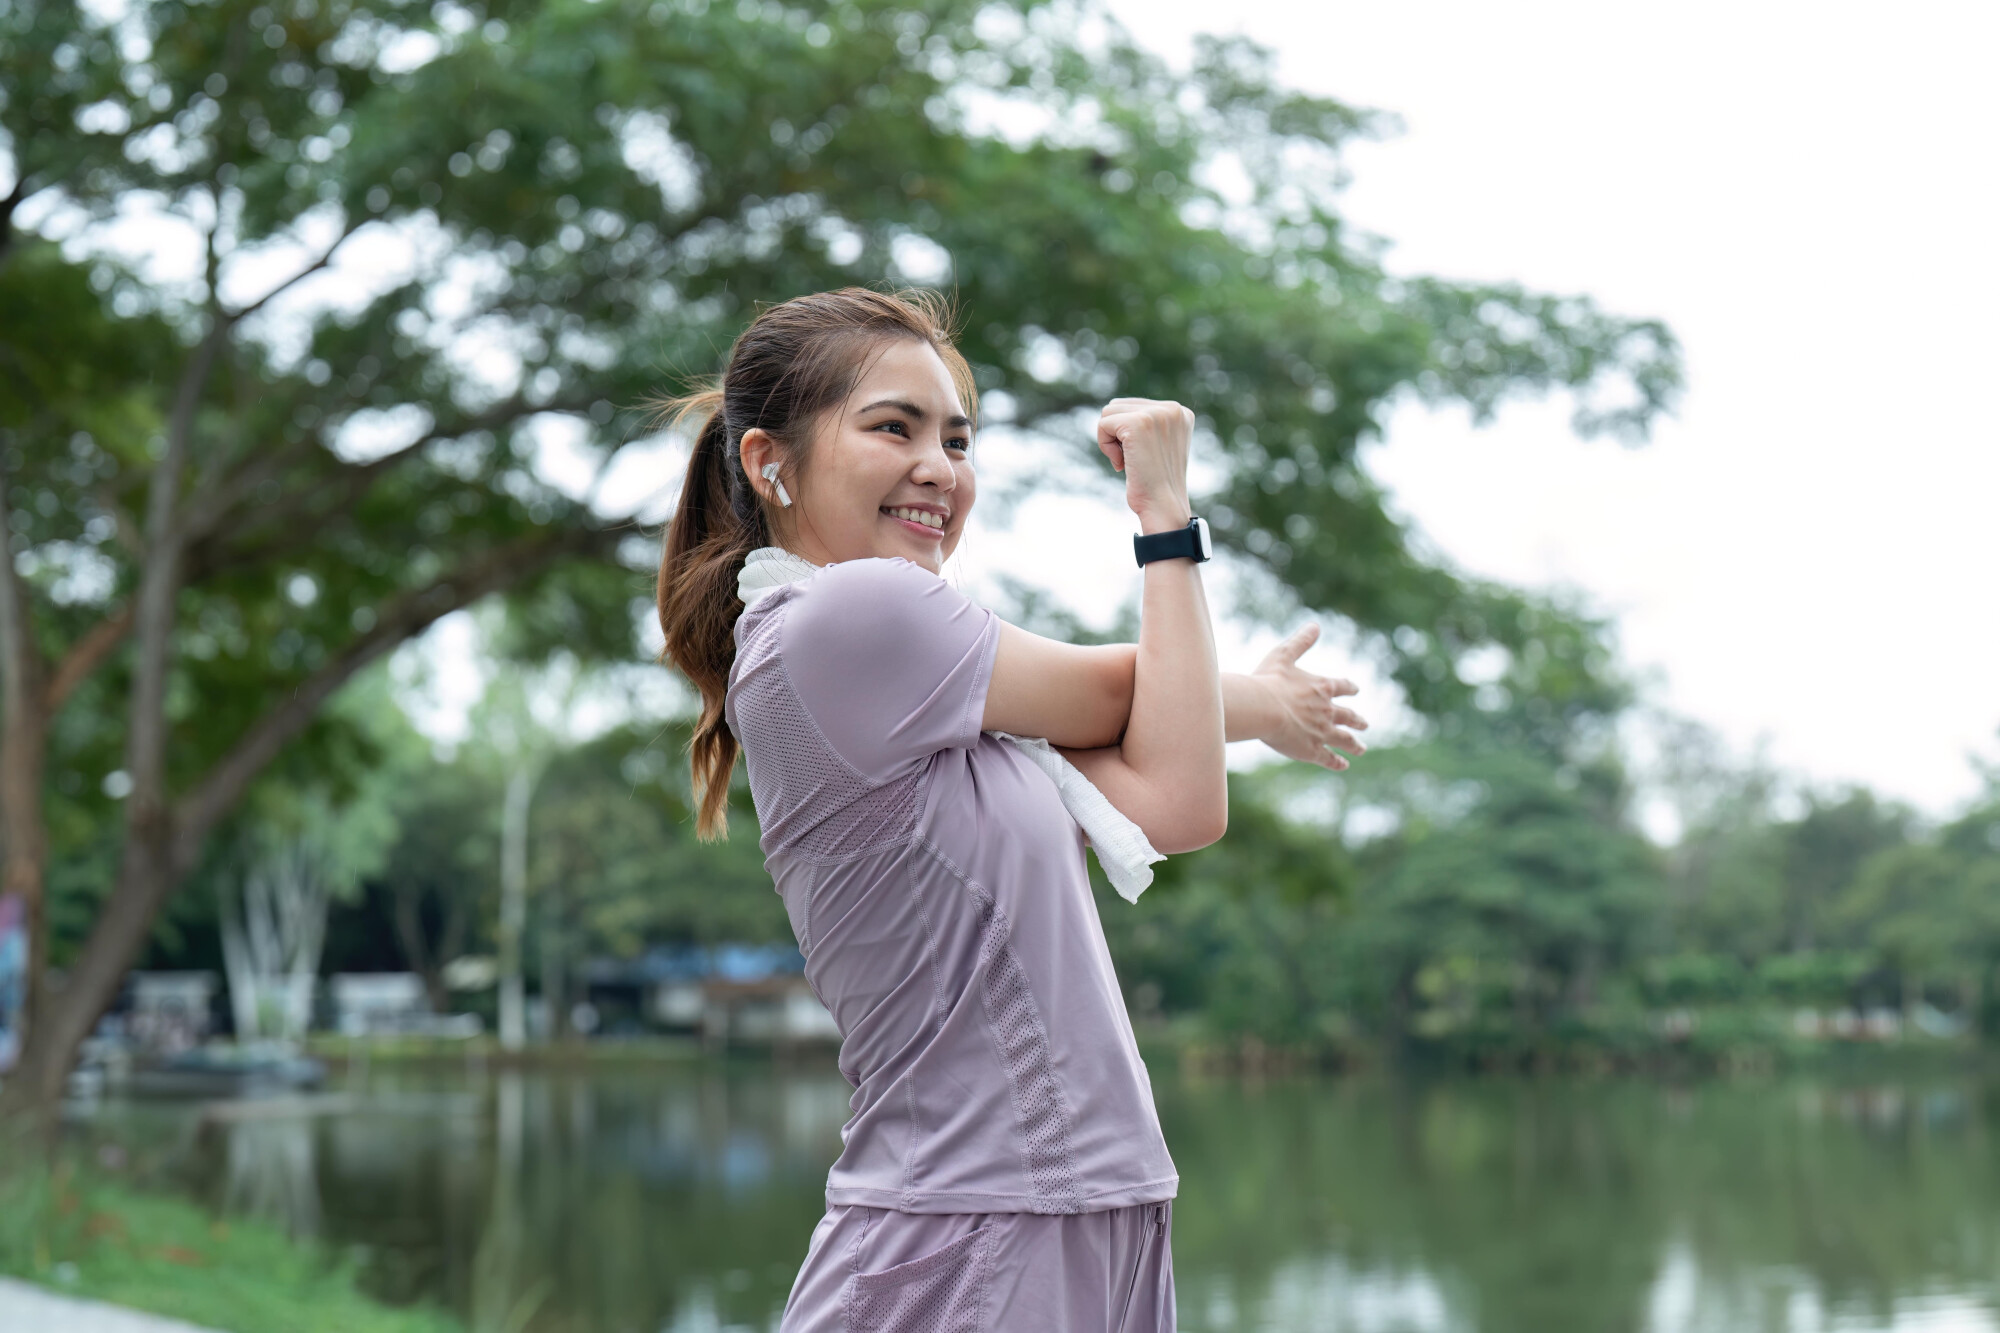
{"x": 438, "y": 879}
{"x": 297, "y": 459}
{"x": 1928, "y": 911}
{"x": 272, "y": 934}
{"x": 1510, "y": 879}
{"x": 1824, "y": 850}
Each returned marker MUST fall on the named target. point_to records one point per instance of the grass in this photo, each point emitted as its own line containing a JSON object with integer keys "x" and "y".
{"x": 71, "y": 1230}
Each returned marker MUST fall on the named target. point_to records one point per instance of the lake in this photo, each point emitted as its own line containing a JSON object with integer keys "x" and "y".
{"x": 678, "y": 1199}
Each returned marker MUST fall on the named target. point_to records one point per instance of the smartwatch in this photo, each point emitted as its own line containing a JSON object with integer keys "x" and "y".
{"x": 1190, "y": 542}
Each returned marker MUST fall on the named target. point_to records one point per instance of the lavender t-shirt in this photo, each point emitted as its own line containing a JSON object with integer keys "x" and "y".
{"x": 937, "y": 888}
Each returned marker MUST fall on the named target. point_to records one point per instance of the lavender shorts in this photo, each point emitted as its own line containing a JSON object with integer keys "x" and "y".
{"x": 872, "y": 1270}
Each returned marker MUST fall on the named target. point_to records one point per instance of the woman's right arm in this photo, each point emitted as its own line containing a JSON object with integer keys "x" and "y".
{"x": 1165, "y": 771}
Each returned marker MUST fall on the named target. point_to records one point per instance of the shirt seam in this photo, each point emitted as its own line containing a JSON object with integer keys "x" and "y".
{"x": 983, "y": 679}
{"x": 989, "y": 903}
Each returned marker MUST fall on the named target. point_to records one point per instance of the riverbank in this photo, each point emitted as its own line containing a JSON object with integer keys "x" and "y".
{"x": 75, "y": 1232}
{"x": 353, "y": 1053}
{"x": 1694, "y": 1045}
{"x": 1714, "y": 1043}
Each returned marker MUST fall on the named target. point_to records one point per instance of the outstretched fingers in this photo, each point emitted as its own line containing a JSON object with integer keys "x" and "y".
{"x": 1296, "y": 643}
{"x": 1339, "y": 738}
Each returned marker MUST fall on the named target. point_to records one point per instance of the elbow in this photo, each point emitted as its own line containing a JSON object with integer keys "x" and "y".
{"x": 1191, "y": 830}
{"x": 1111, "y": 710}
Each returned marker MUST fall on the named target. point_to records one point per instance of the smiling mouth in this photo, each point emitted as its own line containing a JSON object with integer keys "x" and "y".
{"x": 916, "y": 518}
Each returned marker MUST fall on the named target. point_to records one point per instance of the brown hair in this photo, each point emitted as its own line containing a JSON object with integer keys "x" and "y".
{"x": 795, "y": 362}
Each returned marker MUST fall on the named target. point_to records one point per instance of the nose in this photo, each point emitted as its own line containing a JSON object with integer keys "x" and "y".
{"x": 933, "y": 466}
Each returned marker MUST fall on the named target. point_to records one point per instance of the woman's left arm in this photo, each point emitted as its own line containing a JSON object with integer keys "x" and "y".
{"x": 1087, "y": 689}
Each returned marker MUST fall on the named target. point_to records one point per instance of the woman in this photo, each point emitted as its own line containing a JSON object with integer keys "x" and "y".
{"x": 1003, "y": 1167}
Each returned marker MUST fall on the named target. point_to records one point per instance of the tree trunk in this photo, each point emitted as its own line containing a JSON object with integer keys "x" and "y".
{"x": 513, "y": 906}
{"x": 1987, "y": 1019}
{"x": 417, "y": 954}
{"x": 555, "y": 961}
{"x": 70, "y": 1011}
{"x": 23, "y": 753}
{"x": 163, "y": 839}
{"x": 24, "y": 709}
{"x": 147, "y": 871}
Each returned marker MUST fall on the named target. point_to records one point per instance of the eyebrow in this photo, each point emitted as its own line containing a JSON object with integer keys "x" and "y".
{"x": 911, "y": 410}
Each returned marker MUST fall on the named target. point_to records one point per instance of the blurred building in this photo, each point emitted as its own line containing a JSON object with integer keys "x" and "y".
{"x": 368, "y": 1004}
{"x": 750, "y": 994}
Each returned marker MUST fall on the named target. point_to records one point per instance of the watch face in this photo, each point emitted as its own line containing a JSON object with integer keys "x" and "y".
{"x": 1201, "y": 535}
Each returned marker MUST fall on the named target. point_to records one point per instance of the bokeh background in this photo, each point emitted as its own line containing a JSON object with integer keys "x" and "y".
{"x": 1611, "y": 385}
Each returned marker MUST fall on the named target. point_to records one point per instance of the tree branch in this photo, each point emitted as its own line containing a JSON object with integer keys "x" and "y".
{"x": 402, "y": 618}
{"x": 7, "y": 207}
{"x": 237, "y": 316}
{"x": 19, "y": 657}
{"x": 86, "y": 655}
{"x": 154, "y": 604}
{"x": 352, "y": 479}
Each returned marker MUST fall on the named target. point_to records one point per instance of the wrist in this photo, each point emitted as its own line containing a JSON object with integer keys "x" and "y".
{"x": 1270, "y": 714}
{"x": 1164, "y": 517}
{"x": 1251, "y": 709}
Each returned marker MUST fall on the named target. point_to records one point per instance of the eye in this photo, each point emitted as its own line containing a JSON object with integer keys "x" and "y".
{"x": 894, "y": 425}
{"x": 959, "y": 442}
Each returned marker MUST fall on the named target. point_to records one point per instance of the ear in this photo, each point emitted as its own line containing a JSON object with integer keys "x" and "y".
{"x": 758, "y": 447}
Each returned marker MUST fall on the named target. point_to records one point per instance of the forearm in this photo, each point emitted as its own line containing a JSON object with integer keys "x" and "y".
{"x": 1177, "y": 703}
{"x": 1166, "y": 772}
{"x": 1250, "y": 712}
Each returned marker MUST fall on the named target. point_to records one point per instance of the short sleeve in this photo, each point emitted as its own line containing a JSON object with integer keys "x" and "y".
{"x": 891, "y": 662}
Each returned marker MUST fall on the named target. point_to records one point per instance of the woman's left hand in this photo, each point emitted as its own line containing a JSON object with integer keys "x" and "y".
{"x": 1307, "y": 723}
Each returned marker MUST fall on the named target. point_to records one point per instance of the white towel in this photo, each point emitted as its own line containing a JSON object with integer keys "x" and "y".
{"x": 1120, "y": 844}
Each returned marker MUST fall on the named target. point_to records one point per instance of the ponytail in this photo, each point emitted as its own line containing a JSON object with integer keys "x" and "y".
{"x": 797, "y": 361}
{"x": 717, "y": 524}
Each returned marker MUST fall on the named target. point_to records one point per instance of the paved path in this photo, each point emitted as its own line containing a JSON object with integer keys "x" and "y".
{"x": 30, "y": 1309}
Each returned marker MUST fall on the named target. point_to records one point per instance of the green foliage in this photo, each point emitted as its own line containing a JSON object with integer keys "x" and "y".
{"x": 1482, "y": 892}
{"x": 627, "y": 177}
{"x": 425, "y": 238}
{"x": 577, "y": 204}
{"x": 613, "y": 827}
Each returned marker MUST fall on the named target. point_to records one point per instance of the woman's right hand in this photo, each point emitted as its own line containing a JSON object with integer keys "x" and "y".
{"x": 1147, "y": 440}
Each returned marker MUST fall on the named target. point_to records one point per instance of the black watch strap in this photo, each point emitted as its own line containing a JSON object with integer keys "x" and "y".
{"x": 1189, "y": 543}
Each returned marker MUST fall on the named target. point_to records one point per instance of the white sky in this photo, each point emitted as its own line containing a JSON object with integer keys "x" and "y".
{"x": 1810, "y": 196}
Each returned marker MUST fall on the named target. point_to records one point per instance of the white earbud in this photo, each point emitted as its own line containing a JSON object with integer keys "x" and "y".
{"x": 771, "y": 475}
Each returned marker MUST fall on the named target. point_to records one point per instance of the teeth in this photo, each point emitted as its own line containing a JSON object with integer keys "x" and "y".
{"x": 922, "y": 516}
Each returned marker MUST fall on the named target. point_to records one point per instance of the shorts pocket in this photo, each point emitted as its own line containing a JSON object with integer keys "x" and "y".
{"x": 942, "y": 1292}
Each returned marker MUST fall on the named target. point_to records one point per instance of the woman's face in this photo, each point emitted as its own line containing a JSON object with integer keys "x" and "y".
{"x": 890, "y": 472}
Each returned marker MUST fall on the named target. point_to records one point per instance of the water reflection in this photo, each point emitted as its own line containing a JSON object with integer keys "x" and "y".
{"x": 681, "y": 1199}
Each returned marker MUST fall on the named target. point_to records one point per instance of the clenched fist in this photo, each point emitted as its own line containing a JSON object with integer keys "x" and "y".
{"x": 1147, "y": 440}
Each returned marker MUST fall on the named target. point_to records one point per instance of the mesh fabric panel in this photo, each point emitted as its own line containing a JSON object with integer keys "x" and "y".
{"x": 1024, "y": 1049}
{"x": 943, "y": 1292}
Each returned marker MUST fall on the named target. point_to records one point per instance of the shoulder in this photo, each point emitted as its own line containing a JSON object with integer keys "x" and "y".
{"x": 882, "y": 620}
{"x": 877, "y": 576}
{"x": 861, "y": 598}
